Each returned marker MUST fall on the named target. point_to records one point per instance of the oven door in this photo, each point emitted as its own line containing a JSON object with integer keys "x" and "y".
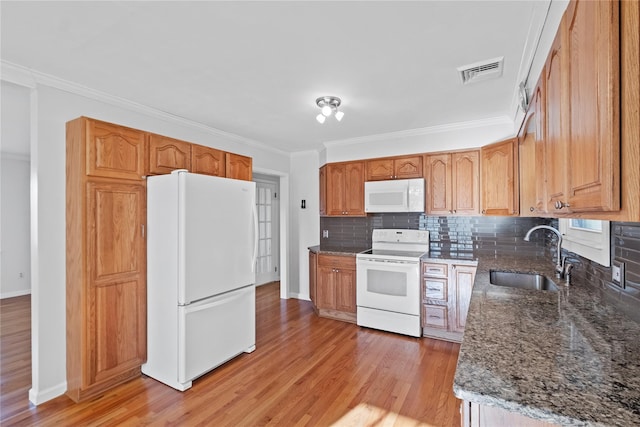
{"x": 390, "y": 285}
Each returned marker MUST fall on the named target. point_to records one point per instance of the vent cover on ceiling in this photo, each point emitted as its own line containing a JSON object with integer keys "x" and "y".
{"x": 479, "y": 71}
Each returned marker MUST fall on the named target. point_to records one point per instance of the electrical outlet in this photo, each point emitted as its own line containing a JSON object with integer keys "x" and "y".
{"x": 325, "y": 234}
{"x": 617, "y": 273}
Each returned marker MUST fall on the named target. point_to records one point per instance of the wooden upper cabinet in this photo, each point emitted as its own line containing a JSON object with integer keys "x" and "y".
{"x": 593, "y": 82}
{"x": 167, "y": 154}
{"x": 345, "y": 189}
{"x": 531, "y": 156}
{"x": 453, "y": 183}
{"x": 114, "y": 151}
{"x": 556, "y": 123}
{"x": 439, "y": 185}
{"x": 394, "y": 168}
{"x": 499, "y": 165}
{"x": 239, "y": 167}
{"x": 323, "y": 190}
{"x": 207, "y": 160}
{"x": 465, "y": 174}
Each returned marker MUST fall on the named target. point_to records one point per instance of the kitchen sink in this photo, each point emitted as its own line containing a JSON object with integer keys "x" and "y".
{"x": 522, "y": 280}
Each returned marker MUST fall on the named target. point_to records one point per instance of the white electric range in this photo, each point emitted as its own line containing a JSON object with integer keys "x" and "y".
{"x": 388, "y": 281}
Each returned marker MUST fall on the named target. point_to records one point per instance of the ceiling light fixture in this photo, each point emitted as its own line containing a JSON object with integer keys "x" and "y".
{"x": 328, "y": 105}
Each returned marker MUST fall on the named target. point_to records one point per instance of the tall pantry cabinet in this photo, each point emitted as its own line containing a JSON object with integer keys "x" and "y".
{"x": 106, "y": 256}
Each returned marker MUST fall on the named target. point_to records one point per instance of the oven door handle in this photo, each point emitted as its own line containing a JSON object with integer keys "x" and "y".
{"x": 386, "y": 261}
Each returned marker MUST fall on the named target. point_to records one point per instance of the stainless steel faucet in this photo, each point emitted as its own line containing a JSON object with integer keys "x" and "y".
{"x": 560, "y": 261}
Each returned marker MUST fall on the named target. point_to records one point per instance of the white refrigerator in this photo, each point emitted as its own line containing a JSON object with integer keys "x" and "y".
{"x": 201, "y": 250}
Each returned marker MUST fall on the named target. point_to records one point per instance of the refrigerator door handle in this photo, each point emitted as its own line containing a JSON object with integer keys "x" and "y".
{"x": 255, "y": 241}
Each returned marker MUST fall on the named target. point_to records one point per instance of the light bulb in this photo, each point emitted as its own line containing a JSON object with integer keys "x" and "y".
{"x": 320, "y": 118}
{"x": 326, "y": 110}
{"x": 339, "y": 115}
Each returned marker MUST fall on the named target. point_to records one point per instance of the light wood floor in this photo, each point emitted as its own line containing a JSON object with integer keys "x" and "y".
{"x": 305, "y": 371}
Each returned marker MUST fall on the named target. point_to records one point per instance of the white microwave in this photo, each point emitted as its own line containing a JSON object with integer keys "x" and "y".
{"x": 399, "y": 195}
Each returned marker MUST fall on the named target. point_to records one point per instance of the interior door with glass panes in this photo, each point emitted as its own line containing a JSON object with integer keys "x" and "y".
{"x": 268, "y": 259}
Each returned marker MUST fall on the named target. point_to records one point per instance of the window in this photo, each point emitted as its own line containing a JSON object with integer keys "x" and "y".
{"x": 588, "y": 238}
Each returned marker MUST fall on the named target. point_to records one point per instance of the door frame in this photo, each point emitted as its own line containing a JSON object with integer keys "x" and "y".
{"x": 283, "y": 179}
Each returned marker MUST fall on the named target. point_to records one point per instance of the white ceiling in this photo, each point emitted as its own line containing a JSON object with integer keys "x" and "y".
{"x": 255, "y": 68}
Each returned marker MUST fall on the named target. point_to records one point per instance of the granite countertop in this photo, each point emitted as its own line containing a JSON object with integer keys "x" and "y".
{"x": 564, "y": 357}
{"x": 337, "y": 250}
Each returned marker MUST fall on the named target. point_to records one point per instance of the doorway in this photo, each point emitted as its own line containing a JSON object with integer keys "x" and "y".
{"x": 268, "y": 207}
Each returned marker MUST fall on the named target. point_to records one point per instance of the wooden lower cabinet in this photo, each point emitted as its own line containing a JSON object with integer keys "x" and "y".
{"x": 475, "y": 415}
{"x": 313, "y": 274}
{"x": 335, "y": 291}
{"x": 446, "y": 293}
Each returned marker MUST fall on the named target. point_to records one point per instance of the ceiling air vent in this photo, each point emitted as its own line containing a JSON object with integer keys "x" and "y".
{"x": 483, "y": 70}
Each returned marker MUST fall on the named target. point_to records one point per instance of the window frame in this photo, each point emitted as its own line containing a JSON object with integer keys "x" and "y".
{"x": 591, "y": 244}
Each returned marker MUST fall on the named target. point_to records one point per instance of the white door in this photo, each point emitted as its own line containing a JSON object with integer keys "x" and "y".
{"x": 268, "y": 207}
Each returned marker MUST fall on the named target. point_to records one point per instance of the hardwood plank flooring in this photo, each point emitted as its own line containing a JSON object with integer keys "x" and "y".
{"x": 306, "y": 371}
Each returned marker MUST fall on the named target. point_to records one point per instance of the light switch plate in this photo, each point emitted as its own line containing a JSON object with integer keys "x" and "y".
{"x": 325, "y": 234}
{"x": 617, "y": 273}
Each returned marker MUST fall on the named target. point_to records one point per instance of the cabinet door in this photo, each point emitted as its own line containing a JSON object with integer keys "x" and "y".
{"x": 346, "y": 290}
{"x": 114, "y": 151}
{"x": 465, "y": 180}
{"x": 556, "y": 132}
{"x": 354, "y": 189}
{"x": 326, "y": 290}
{"x": 116, "y": 269}
{"x": 207, "y": 161}
{"x": 167, "y": 154}
{"x": 462, "y": 277}
{"x": 379, "y": 169}
{"x": 499, "y": 181}
{"x": 407, "y": 167}
{"x": 313, "y": 277}
{"x": 531, "y": 148}
{"x": 439, "y": 185}
{"x": 593, "y": 83}
{"x": 239, "y": 167}
{"x": 336, "y": 183}
{"x": 323, "y": 190}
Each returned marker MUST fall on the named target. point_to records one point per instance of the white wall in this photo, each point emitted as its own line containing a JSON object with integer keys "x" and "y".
{"x": 306, "y": 222}
{"x": 51, "y": 109}
{"x": 14, "y": 235}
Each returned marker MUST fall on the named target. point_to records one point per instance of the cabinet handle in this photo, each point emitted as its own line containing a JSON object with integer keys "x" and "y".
{"x": 559, "y": 204}
{"x": 454, "y": 211}
{"x": 483, "y": 211}
{"x": 433, "y": 289}
{"x": 142, "y": 230}
{"x": 531, "y": 209}
{"x": 433, "y": 316}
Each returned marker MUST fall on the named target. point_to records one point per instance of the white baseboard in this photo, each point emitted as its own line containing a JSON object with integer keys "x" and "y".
{"x": 38, "y": 397}
{"x": 297, "y": 295}
{"x": 12, "y": 294}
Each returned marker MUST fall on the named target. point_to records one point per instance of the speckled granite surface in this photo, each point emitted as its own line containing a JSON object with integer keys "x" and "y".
{"x": 330, "y": 250}
{"x": 564, "y": 357}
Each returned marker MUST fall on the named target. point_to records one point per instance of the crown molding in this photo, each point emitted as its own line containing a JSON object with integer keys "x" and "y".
{"x": 450, "y": 127}
{"x": 23, "y": 76}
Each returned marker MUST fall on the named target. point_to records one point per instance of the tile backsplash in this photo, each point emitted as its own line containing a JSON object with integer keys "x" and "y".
{"x": 489, "y": 235}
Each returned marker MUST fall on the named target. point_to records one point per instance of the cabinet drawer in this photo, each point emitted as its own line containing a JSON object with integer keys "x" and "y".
{"x": 434, "y": 316}
{"x": 435, "y": 289}
{"x": 336, "y": 261}
{"x": 434, "y": 270}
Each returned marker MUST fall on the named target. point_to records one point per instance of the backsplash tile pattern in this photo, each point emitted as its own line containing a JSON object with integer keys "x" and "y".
{"x": 447, "y": 234}
{"x": 625, "y": 246}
